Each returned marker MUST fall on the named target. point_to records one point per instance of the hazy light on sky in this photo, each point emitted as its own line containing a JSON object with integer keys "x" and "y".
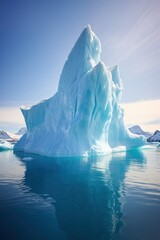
{"x": 142, "y": 113}
{"x": 145, "y": 113}
{"x": 37, "y": 36}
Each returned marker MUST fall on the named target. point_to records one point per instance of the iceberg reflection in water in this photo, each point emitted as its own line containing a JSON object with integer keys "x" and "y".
{"x": 78, "y": 198}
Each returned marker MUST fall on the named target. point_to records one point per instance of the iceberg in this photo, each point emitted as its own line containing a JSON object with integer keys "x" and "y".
{"x": 138, "y": 130}
{"x": 155, "y": 137}
{"x": 84, "y": 117}
{"x": 4, "y": 146}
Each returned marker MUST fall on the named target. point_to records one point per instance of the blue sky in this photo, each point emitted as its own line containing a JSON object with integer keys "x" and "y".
{"x": 36, "y": 37}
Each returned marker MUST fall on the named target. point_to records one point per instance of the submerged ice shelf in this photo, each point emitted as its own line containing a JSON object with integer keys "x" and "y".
{"x": 84, "y": 116}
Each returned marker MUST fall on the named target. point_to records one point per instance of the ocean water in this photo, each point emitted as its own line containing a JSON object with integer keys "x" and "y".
{"x": 112, "y": 197}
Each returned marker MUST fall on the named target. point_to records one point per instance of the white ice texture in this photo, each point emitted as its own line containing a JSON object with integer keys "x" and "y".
{"x": 84, "y": 117}
{"x": 4, "y": 145}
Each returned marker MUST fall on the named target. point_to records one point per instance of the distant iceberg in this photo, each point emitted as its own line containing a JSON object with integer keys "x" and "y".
{"x": 4, "y": 145}
{"x": 138, "y": 130}
{"x": 84, "y": 117}
{"x": 11, "y": 137}
{"x": 155, "y": 137}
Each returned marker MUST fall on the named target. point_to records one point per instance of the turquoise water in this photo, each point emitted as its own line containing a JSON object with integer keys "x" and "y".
{"x": 111, "y": 197}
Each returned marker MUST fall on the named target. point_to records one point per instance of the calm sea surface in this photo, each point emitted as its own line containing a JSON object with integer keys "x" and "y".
{"x": 112, "y": 197}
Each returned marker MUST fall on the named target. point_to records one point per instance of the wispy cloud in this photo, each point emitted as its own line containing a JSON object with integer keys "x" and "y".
{"x": 156, "y": 121}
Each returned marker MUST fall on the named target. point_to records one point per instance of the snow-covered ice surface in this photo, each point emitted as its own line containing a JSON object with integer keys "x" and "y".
{"x": 84, "y": 116}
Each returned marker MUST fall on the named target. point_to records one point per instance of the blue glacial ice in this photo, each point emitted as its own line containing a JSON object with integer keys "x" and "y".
{"x": 84, "y": 117}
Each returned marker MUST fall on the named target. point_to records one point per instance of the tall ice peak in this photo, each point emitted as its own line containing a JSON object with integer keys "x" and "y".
{"x": 84, "y": 117}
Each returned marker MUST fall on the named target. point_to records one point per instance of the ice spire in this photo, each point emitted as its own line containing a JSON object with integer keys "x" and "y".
{"x": 84, "y": 117}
